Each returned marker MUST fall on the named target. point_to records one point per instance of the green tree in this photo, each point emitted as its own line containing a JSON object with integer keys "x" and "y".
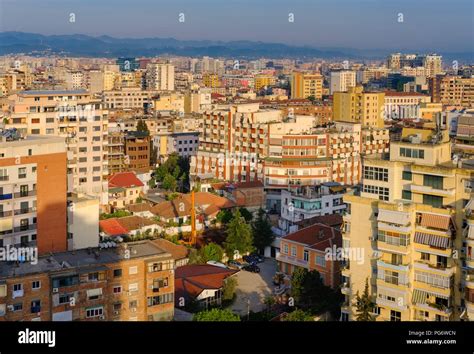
{"x": 216, "y": 315}
{"x": 169, "y": 183}
{"x": 211, "y": 252}
{"x": 310, "y": 293}
{"x": 263, "y": 235}
{"x": 299, "y": 315}
{"x": 364, "y": 305}
{"x": 239, "y": 236}
{"x": 311, "y": 98}
{"x": 228, "y": 290}
{"x": 142, "y": 127}
{"x": 224, "y": 216}
{"x": 247, "y": 215}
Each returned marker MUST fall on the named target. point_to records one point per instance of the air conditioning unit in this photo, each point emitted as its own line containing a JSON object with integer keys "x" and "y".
{"x": 102, "y": 317}
{"x": 55, "y": 290}
{"x": 10, "y": 307}
{"x": 133, "y": 309}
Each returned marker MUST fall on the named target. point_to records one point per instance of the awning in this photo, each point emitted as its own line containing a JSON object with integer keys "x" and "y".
{"x": 432, "y": 240}
{"x": 393, "y": 217}
{"x": 470, "y": 233}
{"x": 470, "y": 205}
{"x": 419, "y": 296}
{"x": 435, "y": 221}
{"x": 94, "y": 292}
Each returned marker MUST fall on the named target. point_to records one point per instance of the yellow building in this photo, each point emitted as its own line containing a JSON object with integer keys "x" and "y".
{"x": 430, "y": 111}
{"x": 357, "y": 106}
{"x": 263, "y": 80}
{"x": 210, "y": 80}
{"x": 408, "y": 219}
{"x": 304, "y": 85}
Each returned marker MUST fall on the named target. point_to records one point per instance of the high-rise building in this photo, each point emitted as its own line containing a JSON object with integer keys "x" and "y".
{"x": 408, "y": 221}
{"x": 304, "y": 85}
{"x": 358, "y": 106}
{"x": 340, "y": 81}
{"x": 33, "y": 193}
{"x": 79, "y": 118}
{"x": 160, "y": 76}
{"x": 452, "y": 90}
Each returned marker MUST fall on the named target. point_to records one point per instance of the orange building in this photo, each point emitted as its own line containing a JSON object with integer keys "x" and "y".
{"x": 33, "y": 193}
{"x": 307, "y": 248}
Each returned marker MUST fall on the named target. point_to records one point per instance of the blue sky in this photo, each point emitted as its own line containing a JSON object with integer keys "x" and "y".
{"x": 444, "y": 25}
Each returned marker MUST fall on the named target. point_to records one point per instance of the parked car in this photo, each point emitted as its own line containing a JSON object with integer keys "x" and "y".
{"x": 217, "y": 264}
{"x": 252, "y": 268}
{"x": 236, "y": 264}
{"x": 253, "y": 258}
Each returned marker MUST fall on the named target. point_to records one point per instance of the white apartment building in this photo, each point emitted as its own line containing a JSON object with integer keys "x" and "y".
{"x": 75, "y": 80}
{"x": 402, "y": 105}
{"x": 160, "y": 76}
{"x": 342, "y": 80}
{"x": 79, "y": 118}
{"x": 128, "y": 98}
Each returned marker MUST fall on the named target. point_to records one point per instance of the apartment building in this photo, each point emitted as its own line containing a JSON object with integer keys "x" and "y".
{"x": 185, "y": 144}
{"x": 408, "y": 218}
{"x": 132, "y": 282}
{"x": 262, "y": 81}
{"x": 341, "y": 80}
{"x": 160, "y": 76}
{"x": 452, "y": 90}
{"x": 210, "y": 80}
{"x": 116, "y": 152}
{"x": 358, "y": 106}
{"x": 306, "y": 202}
{"x": 128, "y": 98}
{"x": 403, "y": 105}
{"x": 137, "y": 151}
{"x": 81, "y": 120}
{"x": 431, "y": 63}
{"x": 33, "y": 193}
{"x": 304, "y": 85}
{"x": 75, "y": 80}
{"x": 307, "y": 248}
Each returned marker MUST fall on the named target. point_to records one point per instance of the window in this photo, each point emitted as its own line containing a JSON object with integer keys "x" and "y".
{"x": 433, "y": 181}
{"x": 412, "y": 153}
{"x": 160, "y": 283}
{"x": 157, "y": 267}
{"x": 133, "y": 287}
{"x": 64, "y": 299}
{"x": 160, "y": 299}
{"x": 306, "y": 255}
{"x": 18, "y": 306}
{"x": 117, "y": 306}
{"x": 285, "y": 249}
{"x": 36, "y": 284}
{"x": 133, "y": 270}
{"x": 406, "y": 195}
{"x": 133, "y": 304}
{"x": 382, "y": 192}
{"x": 93, "y": 276}
{"x": 433, "y": 200}
{"x": 117, "y": 289}
{"x": 35, "y": 306}
{"x": 376, "y": 173}
{"x": 17, "y": 287}
{"x": 117, "y": 273}
{"x": 395, "y": 316}
{"x": 293, "y": 251}
{"x": 407, "y": 176}
{"x": 94, "y": 312}
{"x": 3, "y": 290}
{"x": 320, "y": 261}
{"x": 22, "y": 172}
{"x": 425, "y": 256}
{"x": 391, "y": 277}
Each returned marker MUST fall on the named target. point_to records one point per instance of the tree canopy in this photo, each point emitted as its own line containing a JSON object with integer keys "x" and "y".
{"x": 364, "y": 305}
{"x": 239, "y": 236}
{"x": 263, "y": 235}
{"x": 216, "y": 315}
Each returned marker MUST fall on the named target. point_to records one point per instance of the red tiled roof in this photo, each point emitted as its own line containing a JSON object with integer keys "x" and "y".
{"x": 112, "y": 227}
{"x": 317, "y": 236}
{"x": 124, "y": 180}
{"x": 134, "y": 222}
{"x": 191, "y": 280}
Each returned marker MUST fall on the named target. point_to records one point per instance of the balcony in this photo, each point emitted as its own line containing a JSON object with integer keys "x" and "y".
{"x": 25, "y": 194}
{"x": 430, "y": 190}
{"x": 292, "y": 260}
{"x": 25, "y": 211}
{"x": 395, "y": 267}
{"x": 440, "y": 269}
{"x": 17, "y": 293}
{"x": 25, "y": 228}
{"x": 5, "y": 214}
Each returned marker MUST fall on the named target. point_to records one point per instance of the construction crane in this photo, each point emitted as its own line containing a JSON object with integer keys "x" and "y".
{"x": 192, "y": 238}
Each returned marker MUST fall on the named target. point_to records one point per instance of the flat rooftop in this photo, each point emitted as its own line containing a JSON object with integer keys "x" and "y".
{"x": 52, "y": 92}
{"x": 32, "y": 140}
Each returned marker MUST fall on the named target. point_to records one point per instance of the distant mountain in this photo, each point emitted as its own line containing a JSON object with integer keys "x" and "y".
{"x": 106, "y": 46}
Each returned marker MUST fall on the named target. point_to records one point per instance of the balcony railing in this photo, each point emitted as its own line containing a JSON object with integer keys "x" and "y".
{"x": 24, "y": 194}
{"x": 4, "y": 214}
{"x": 25, "y": 211}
